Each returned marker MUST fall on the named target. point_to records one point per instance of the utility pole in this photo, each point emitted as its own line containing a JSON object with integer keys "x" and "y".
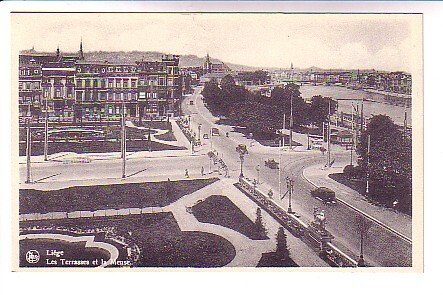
{"x": 28, "y": 151}
{"x": 123, "y": 135}
{"x": 362, "y": 117}
{"x": 279, "y": 167}
{"x": 329, "y": 133}
{"x": 45, "y": 149}
{"x": 405, "y": 124}
{"x": 352, "y": 129}
{"x": 258, "y": 173}
{"x": 291, "y": 123}
{"x": 284, "y": 128}
{"x": 367, "y": 168}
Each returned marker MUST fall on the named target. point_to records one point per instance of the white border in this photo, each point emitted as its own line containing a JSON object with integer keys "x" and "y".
{"x": 250, "y": 283}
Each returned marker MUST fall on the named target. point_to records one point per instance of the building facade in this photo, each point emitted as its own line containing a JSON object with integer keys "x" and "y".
{"x": 70, "y": 88}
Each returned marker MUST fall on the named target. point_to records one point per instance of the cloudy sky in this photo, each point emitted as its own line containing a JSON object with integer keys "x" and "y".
{"x": 382, "y": 42}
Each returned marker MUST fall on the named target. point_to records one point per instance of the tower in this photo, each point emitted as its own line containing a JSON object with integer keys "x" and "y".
{"x": 58, "y": 51}
{"x": 207, "y": 65}
{"x": 80, "y": 53}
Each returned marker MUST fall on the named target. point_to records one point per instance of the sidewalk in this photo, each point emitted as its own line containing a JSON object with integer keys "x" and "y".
{"x": 318, "y": 176}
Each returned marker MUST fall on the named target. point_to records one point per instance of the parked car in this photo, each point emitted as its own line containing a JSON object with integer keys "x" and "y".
{"x": 271, "y": 163}
{"x": 191, "y": 102}
{"x": 325, "y": 195}
{"x": 205, "y": 136}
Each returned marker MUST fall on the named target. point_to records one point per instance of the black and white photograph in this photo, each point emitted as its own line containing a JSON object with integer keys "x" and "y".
{"x": 217, "y": 140}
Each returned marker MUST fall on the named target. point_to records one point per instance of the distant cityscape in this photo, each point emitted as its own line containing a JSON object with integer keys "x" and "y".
{"x": 71, "y": 88}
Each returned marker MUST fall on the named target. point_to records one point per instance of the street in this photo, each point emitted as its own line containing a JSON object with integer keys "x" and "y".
{"x": 381, "y": 247}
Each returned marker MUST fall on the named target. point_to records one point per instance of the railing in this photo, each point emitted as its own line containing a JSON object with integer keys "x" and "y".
{"x": 327, "y": 251}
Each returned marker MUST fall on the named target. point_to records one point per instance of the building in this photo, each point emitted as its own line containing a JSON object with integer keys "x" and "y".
{"x": 102, "y": 88}
{"x": 72, "y": 88}
{"x": 159, "y": 86}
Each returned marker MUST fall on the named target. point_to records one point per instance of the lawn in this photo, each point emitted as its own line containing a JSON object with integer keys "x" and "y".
{"x": 116, "y": 196}
{"x": 168, "y": 136}
{"x": 96, "y": 147}
{"x": 219, "y": 210}
{"x": 161, "y": 242}
{"x": 71, "y": 251}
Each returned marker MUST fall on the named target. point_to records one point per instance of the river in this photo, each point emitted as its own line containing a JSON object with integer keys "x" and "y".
{"x": 374, "y": 103}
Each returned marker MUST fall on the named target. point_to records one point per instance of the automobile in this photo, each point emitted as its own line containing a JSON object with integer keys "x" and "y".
{"x": 191, "y": 102}
{"x": 271, "y": 163}
{"x": 215, "y": 132}
{"x": 205, "y": 136}
{"x": 325, "y": 195}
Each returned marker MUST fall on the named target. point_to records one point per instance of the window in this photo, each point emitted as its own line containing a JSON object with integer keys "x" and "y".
{"x": 133, "y": 84}
{"x": 45, "y": 92}
{"x": 117, "y": 83}
{"x": 142, "y": 95}
{"x": 57, "y": 92}
{"x": 125, "y": 83}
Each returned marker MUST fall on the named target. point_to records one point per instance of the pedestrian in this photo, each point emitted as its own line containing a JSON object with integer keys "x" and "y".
{"x": 186, "y": 173}
{"x": 203, "y": 171}
{"x": 270, "y": 193}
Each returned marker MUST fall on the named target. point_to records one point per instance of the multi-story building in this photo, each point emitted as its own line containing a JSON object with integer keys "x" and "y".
{"x": 159, "y": 86}
{"x": 72, "y": 88}
{"x": 103, "y": 88}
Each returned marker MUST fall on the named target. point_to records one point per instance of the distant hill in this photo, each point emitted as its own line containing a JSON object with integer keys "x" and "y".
{"x": 133, "y": 56}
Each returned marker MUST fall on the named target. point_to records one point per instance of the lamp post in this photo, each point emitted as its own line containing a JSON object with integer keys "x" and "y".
{"x": 329, "y": 133}
{"x": 279, "y": 166}
{"x": 199, "y": 132}
{"x": 242, "y": 151}
{"x": 123, "y": 136}
{"x": 242, "y": 159}
{"x": 46, "y": 131}
{"x": 363, "y": 227}
{"x": 28, "y": 151}
{"x": 258, "y": 173}
{"x": 367, "y": 167}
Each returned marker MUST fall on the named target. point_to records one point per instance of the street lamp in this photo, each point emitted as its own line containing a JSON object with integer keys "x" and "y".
{"x": 199, "y": 132}
{"x": 363, "y": 227}
{"x": 123, "y": 136}
{"x": 258, "y": 173}
{"x": 242, "y": 151}
{"x": 28, "y": 151}
{"x": 46, "y": 131}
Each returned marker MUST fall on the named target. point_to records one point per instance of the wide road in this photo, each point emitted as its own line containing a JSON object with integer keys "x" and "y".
{"x": 381, "y": 247}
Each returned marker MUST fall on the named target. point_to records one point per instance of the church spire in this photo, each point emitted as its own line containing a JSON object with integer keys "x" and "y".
{"x": 80, "y": 53}
{"x": 58, "y": 51}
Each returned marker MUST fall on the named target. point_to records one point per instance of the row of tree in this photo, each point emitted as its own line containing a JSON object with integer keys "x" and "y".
{"x": 263, "y": 115}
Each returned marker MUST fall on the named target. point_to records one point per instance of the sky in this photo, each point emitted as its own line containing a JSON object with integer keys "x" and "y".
{"x": 329, "y": 41}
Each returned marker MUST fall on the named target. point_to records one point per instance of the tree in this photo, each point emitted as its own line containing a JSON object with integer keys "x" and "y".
{"x": 282, "y": 246}
{"x": 319, "y": 109}
{"x": 390, "y": 165}
{"x": 227, "y": 83}
{"x": 259, "y": 223}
